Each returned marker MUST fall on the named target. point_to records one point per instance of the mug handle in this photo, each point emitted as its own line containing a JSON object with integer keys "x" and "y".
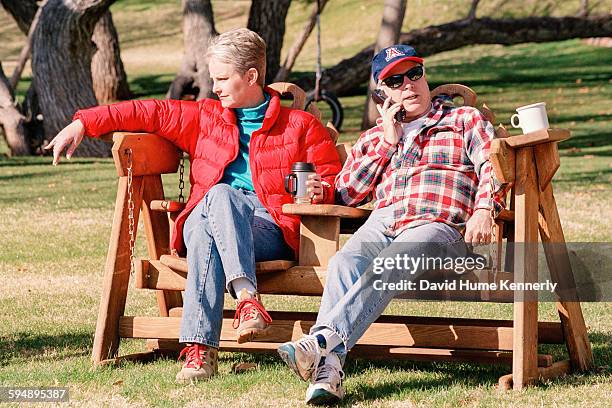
{"x": 288, "y": 178}
{"x": 515, "y": 125}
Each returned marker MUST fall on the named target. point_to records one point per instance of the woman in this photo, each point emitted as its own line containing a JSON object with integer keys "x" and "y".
{"x": 241, "y": 147}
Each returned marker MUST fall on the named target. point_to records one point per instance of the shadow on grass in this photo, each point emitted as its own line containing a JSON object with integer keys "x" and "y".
{"x": 442, "y": 374}
{"x": 586, "y": 177}
{"x": 47, "y": 160}
{"x": 149, "y": 85}
{"x": 590, "y": 140}
{"x": 25, "y": 346}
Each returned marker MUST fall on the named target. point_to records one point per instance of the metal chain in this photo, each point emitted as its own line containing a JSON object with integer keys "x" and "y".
{"x": 493, "y": 245}
{"x": 181, "y": 197}
{"x": 131, "y": 229}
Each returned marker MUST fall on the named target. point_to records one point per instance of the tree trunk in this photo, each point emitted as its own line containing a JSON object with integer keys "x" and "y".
{"x": 11, "y": 120}
{"x": 352, "y": 72}
{"x": 198, "y": 28}
{"x": 61, "y": 64}
{"x": 298, "y": 44}
{"x": 390, "y": 29}
{"x": 109, "y": 78}
{"x": 267, "y": 18}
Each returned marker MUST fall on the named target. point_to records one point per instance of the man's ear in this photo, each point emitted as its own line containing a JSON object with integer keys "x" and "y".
{"x": 252, "y": 76}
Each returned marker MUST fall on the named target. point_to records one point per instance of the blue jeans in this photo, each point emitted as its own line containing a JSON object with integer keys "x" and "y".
{"x": 350, "y": 302}
{"x": 225, "y": 234}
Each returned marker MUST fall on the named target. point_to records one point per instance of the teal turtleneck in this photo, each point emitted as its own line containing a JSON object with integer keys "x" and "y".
{"x": 238, "y": 173}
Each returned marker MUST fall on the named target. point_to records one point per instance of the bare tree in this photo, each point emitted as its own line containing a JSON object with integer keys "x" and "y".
{"x": 109, "y": 78}
{"x": 198, "y": 28}
{"x": 61, "y": 63}
{"x": 11, "y": 120}
{"x": 390, "y": 29}
{"x": 267, "y": 18}
{"x": 108, "y": 74}
{"x": 351, "y": 72}
{"x": 299, "y": 42}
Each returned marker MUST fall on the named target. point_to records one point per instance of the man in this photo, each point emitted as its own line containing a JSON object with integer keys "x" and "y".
{"x": 241, "y": 147}
{"x": 429, "y": 174}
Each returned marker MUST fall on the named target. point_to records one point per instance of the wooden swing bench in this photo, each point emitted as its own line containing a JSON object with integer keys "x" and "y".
{"x": 528, "y": 161}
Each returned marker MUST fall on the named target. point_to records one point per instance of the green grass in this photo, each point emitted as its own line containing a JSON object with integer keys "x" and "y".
{"x": 56, "y": 223}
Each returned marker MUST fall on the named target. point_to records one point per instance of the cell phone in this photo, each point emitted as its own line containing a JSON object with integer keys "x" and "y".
{"x": 379, "y": 96}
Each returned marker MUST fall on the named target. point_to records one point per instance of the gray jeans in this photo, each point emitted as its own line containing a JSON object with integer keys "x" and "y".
{"x": 350, "y": 302}
{"x": 226, "y": 233}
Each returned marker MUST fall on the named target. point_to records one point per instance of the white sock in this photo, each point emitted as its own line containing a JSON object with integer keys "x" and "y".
{"x": 243, "y": 283}
{"x": 331, "y": 338}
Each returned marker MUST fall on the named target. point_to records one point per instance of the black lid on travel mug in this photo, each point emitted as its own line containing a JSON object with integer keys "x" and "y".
{"x": 303, "y": 166}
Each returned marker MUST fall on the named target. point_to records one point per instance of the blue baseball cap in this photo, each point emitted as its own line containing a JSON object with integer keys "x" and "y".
{"x": 389, "y": 57}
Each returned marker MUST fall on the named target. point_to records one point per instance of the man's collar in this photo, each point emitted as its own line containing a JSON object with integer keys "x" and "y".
{"x": 437, "y": 104}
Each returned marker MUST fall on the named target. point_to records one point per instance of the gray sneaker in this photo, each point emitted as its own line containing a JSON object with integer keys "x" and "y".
{"x": 326, "y": 387}
{"x": 303, "y": 356}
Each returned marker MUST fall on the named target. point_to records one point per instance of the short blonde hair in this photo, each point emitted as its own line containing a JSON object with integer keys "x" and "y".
{"x": 242, "y": 48}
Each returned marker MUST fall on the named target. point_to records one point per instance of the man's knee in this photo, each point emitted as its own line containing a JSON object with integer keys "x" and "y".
{"x": 347, "y": 266}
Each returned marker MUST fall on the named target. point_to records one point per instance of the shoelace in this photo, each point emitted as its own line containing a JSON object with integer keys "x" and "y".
{"x": 192, "y": 354}
{"x": 245, "y": 307}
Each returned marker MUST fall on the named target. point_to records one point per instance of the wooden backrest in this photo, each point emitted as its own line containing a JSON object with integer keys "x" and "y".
{"x": 299, "y": 102}
{"x": 453, "y": 90}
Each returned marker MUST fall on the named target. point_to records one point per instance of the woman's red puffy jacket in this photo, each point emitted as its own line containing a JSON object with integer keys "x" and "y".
{"x": 209, "y": 134}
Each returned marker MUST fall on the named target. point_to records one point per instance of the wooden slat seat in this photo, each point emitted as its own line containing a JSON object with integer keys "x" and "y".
{"x": 170, "y": 273}
{"x": 180, "y": 264}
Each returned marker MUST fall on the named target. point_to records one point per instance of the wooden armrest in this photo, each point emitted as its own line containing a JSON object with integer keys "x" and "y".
{"x": 505, "y": 215}
{"x": 537, "y": 137}
{"x": 326, "y": 210}
{"x": 167, "y": 206}
{"x": 151, "y": 154}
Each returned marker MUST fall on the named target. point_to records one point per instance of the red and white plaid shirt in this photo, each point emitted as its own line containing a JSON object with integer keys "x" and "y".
{"x": 443, "y": 176}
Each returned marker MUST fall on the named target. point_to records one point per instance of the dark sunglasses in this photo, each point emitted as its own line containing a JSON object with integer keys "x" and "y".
{"x": 413, "y": 74}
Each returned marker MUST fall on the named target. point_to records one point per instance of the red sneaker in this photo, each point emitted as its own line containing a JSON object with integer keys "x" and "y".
{"x": 251, "y": 319}
{"x": 200, "y": 363}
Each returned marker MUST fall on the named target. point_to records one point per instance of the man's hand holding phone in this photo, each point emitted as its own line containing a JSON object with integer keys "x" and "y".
{"x": 389, "y": 111}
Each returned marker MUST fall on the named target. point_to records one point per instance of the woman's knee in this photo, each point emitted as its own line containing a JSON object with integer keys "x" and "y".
{"x": 220, "y": 192}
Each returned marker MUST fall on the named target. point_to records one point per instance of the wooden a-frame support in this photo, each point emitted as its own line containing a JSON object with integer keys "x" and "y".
{"x": 529, "y": 161}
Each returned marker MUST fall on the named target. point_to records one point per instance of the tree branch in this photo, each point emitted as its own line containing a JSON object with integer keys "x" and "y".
{"x": 298, "y": 44}
{"x": 472, "y": 13}
{"x": 354, "y": 71}
{"x": 26, "y": 51}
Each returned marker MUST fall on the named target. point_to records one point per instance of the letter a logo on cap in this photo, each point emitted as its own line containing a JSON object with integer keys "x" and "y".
{"x": 392, "y": 53}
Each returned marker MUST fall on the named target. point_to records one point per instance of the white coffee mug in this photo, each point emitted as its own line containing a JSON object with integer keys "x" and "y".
{"x": 531, "y": 117}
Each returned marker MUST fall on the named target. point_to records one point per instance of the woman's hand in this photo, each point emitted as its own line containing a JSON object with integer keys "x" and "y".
{"x": 315, "y": 188}
{"x": 71, "y": 135}
{"x": 392, "y": 128}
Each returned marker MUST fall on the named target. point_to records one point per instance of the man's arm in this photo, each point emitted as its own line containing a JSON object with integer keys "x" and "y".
{"x": 364, "y": 166}
{"x": 478, "y": 133}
